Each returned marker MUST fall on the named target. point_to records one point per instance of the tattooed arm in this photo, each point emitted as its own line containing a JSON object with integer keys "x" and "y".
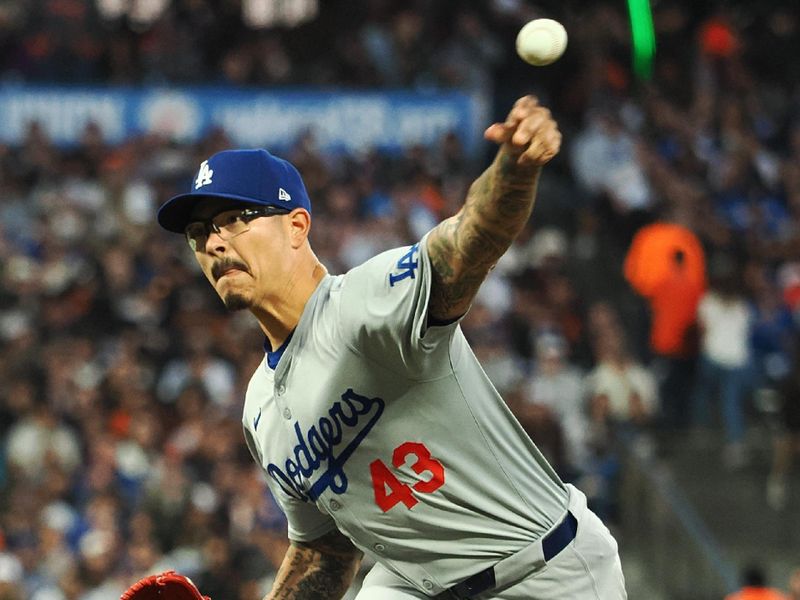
{"x": 318, "y": 570}
{"x": 465, "y": 247}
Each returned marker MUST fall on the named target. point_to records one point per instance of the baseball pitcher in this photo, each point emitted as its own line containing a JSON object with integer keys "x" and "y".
{"x": 376, "y": 427}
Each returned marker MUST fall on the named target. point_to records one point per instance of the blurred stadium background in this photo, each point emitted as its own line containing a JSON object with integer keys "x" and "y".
{"x": 121, "y": 375}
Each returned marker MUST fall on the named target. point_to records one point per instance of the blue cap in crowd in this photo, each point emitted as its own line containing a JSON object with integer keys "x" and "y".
{"x": 250, "y": 176}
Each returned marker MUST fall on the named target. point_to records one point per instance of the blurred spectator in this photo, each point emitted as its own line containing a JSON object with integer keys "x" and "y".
{"x": 214, "y": 374}
{"x": 400, "y": 48}
{"x": 606, "y": 164}
{"x": 56, "y": 523}
{"x": 39, "y": 442}
{"x": 794, "y": 585}
{"x": 556, "y": 389}
{"x": 673, "y": 339}
{"x": 725, "y": 322}
{"x": 468, "y": 58}
{"x": 622, "y": 392}
{"x": 10, "y": 577}
{"x": 718, "y": 38}
{"x": 786, "y": 442}
{"x": 755, "y": 586}
{"x": 772, "y": 330}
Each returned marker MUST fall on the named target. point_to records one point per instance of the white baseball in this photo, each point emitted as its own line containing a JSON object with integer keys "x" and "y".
{"x": 541, "y": 42}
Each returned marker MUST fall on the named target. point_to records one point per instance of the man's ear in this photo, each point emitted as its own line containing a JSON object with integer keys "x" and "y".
{"x": 299, "y": 226}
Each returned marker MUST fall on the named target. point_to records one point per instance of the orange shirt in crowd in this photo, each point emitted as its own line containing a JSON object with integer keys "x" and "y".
{"x": 673, "y": 306}
{"x": 757, "y": 593}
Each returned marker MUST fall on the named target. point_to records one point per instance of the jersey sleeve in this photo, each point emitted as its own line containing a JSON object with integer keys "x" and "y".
{"x": 383, "y": 313}
{"x": 305, "y": 522}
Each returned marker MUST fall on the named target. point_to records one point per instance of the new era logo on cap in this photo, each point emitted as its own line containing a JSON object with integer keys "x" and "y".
{"x": 241, "y": 176}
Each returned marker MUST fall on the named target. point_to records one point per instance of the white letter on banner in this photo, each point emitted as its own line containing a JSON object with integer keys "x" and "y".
{"x": 12, "y": 123}
{"x": 425, "y": 124}
{"x": 358, "y": 123}
{"x": 78, "y": 110}
{"x": 254, "y": 123}
{"x": 63, "y": 116}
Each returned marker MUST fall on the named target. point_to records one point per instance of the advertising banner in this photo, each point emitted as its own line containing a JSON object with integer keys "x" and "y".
{"x": 339, "y": 120}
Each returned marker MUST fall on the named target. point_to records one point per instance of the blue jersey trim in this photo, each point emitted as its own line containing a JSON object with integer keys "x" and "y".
{"x": 273, "y": 358}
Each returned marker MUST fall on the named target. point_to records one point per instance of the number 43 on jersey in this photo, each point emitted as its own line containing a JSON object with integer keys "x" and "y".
{"x": 390, "y": 491}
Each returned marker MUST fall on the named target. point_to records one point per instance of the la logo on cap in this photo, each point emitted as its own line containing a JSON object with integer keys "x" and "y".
{"x": 204, "y": 175}
{"x": 283, "y": 195}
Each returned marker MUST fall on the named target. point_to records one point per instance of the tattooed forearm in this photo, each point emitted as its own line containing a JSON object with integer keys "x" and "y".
{"x": 319, "y": 570}
{"x": 465, "y": 247}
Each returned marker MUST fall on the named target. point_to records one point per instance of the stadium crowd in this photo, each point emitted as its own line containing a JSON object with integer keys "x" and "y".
{"x": 122, "y": 375}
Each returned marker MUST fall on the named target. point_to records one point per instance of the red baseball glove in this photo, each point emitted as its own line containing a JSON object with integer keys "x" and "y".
{"x": 165, "y": 586}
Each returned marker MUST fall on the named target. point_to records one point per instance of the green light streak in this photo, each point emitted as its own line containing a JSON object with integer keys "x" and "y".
{"x": 644, "y": 37}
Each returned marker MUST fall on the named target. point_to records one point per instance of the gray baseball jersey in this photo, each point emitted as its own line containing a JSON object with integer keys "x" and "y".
{"x": 389, "y": 430}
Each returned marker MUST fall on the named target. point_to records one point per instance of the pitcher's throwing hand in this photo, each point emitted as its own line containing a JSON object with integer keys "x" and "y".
{"x": 529, "y": 131}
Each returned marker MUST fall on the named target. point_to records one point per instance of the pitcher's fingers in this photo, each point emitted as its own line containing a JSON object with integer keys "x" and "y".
{"x": 531, "y": 153}
{"x": 528, "y": 129}
{"x": 498, "y": 133}
{"x": 521, "y": 109}
{"x": 542, "y": 148}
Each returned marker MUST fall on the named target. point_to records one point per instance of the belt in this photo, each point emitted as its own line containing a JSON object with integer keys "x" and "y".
{"x": 553, "y": 543}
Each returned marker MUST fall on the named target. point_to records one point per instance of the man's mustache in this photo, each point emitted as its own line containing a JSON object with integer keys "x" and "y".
{"x": 219, "y": 268}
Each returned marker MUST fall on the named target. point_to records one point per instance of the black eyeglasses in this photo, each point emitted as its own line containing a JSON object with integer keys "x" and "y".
{"x": 227, "y": 224}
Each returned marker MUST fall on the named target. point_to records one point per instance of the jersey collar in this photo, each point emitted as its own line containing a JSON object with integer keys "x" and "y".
{"x": 274, "y": 357}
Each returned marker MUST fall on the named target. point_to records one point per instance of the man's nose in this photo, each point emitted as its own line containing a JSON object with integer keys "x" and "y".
{"x": 214, "y": 243}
